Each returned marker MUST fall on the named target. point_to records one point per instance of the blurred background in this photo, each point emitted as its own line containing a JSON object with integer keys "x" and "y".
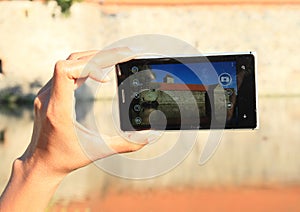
{"x": 251, "y": 170}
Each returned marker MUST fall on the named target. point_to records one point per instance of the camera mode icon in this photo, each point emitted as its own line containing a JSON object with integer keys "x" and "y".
{"x": 225, "y": 79}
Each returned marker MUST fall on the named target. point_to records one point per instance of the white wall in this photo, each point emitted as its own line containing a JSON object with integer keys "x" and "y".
{"x": 30, "y": 46}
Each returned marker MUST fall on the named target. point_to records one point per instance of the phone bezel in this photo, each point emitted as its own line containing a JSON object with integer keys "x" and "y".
{"x": 251, "y": 101}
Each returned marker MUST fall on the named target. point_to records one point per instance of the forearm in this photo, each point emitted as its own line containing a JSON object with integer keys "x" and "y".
{"x": 30, "y": 188}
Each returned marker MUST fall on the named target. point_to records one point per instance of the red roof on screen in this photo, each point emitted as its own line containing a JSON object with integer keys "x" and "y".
{"x": 181, "y": 87}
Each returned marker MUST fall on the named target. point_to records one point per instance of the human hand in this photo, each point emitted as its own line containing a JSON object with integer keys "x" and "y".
{"x": 54, "y": 142}
{"x": 55, "y": 150}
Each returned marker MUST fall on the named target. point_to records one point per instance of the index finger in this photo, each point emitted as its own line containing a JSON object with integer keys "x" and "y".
{"x": 68, "y": 74}
{"x": 94, "y": 66}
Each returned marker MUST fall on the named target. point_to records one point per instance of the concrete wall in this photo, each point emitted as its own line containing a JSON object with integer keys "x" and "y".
{"x": 34, "y": 36}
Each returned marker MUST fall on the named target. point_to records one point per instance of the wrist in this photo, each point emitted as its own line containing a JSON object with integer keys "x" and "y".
{"x": 29, "y": 181}
{"x": 37, "y": 171}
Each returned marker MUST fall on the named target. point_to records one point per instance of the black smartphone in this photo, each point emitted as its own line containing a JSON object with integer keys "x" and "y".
{"x": 188, "y": 92}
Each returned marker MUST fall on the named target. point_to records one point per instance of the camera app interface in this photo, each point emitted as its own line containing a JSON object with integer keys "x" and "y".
{"x": 174, "y": 89}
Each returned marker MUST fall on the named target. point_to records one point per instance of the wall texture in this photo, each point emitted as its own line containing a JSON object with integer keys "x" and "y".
{"x": 35, "y": 35}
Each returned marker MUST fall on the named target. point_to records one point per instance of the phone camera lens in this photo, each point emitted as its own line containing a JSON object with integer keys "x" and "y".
{"x": 134, "y": 69}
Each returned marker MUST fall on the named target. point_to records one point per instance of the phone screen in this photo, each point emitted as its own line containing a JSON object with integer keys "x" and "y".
{"x": 187, "y": 93}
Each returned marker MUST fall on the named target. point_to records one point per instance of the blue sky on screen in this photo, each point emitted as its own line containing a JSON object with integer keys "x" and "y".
{"x": 207, "y": 73}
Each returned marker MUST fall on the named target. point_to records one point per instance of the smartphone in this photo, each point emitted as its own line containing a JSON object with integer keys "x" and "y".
{"x": 188, "y": 92}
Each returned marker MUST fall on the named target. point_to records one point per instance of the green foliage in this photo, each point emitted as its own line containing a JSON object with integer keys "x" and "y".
{"x": 65, "y": 5}
{"x": 15, "y": 95}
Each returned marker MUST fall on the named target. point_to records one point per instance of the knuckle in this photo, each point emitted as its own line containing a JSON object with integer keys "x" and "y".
{"x": 37, "y": 103}
{"x": 60, "y": 67}
{"x": 73, "y": 56}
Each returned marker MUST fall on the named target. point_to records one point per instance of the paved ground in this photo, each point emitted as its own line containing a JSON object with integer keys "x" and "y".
{"x": 186, "y": 200}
